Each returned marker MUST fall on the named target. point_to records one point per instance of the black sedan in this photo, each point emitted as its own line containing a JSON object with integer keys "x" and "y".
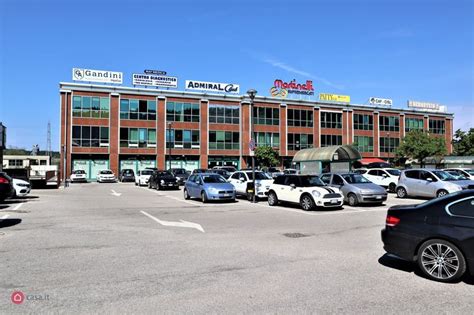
{"x": 163, "y": 180}
{"x": 437, "y": 234}
{"x": 127, "y": 175}
{"x": 6, "y": 186}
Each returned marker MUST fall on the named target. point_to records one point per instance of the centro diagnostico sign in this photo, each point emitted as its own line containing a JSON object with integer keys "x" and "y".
{"x": 282, "y": 89}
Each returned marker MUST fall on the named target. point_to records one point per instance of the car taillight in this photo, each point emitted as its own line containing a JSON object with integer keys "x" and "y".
{"x": 4, "y": 181}
{"x": 392, "y": 221}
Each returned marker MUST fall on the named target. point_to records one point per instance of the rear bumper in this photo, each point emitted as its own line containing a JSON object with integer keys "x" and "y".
{"x": 398, "y": 244}
{"x": 78, "y": 180}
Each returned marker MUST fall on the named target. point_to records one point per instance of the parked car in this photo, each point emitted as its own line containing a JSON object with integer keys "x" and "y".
{"x": 468, "y": 173}
{"x": 228, "y": 168}
{"x": 274, "y": 172}
{"x": 6, "y": 186}
{"x": 379, "y": 165}
{"x": 291, "y": 171}
{"x": 425, "y": 183}
{"x": 127, "y": 175}
{"x": 200, "y": 170}
{"x": 437, "y": 234}
{"x": 355, "y": 188}
{"x": 106, "y": 176}
{"x": 385, "y": 177}
{"x": 78, "y": 176}
{"x": 142, "y": 177}
{"x": 21, "y": 188}
{"x": 162, "y": 180}
{"x": 208, "y": 186}
{"x": 221, "y": 172}
{"x": 242, "y": 179}
{"x": 306, "y": 190}
{"x": 461, "y": 181}
{"x": 180, "y": 173}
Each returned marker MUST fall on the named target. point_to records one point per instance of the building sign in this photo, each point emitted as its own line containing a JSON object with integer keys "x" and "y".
{"x": 91, "y": 75}
{"x": 157, "y": 72}
{"x": 155, "y": 80}
{"x": 213, "y": 87}
{"x": 423, "y": 105}
{"x": 334, "y": 98}
{"x": 282, "y": 89}
{"x": 380, "y": 101}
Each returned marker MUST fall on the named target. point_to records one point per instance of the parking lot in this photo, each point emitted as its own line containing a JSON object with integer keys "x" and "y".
{"x": 121, "y": 248}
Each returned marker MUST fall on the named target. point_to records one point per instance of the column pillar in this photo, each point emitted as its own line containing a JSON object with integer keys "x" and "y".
{"x": 316, "y": 127}
{"x": 376, "y": 134}
{"x": 204, "y": 133}
{"x": 161, "y": 132}
{"x": 283, "y": 130}
{"x": 114, "y": 132}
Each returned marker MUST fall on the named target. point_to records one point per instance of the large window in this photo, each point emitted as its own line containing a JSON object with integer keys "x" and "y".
{"x": 268, "y": 139}
{"x": 413, "y": 124}
{"x": 328, "y": 140}
{"x": 177, "y": 111}
{"x": 137, "y": 109}
{"x": 90, "y": 106}
{"x": 186, "y": 139}
{"x": 297, "y": 141}
{"x": 363, "y": 122}
{"x": 220, "y": 114}
{"x": 364, "y": 144}
{"x": 15, "y": 162}
{"x": 389, "y": 123}
{"x": 90, "y": 136}
{"x": 224, "y": 140}
{"x": 300, "y": 118}
{"x": 137, "y": 137}
{"x": 437, "y": 126}
{"x": 331, "y": 120}
{"x": 266, "y": 116}
{"x": 389, "y": 144}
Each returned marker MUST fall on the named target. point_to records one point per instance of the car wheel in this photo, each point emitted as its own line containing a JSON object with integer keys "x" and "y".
{"x": 401, "y": 192}
{"x": 272, "y": 199}
{"x": 441, "y": 261}
{"x": 203, "y": 197}
{"x": 307, "y": 202}
{"x": 392, "y": 187}
{"x": 352, "y": 200}
{"x": 441, "y": 193}
{"x": 249, "y": 196}
{"x": 149, "y": 185}
{"x": 186, "y": 195}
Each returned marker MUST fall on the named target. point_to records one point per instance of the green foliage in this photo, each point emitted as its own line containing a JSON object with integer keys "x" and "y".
{"x": 463, "y": 142}
{"x": 420, "y": 145}
{"x": 266, "y": 156}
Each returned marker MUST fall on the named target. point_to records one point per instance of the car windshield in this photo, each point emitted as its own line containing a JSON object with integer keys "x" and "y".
{"x": 470, "y": 172}
{"x": 213, "y": 179}
{"x": 355, "y": 179}
{"x": 127, "y": 171}
{"x": 79, "y": 172}
{"x": 394, "y": 172}
{"x": 457, "y": 175}
{"x": 258, "y": 175}
{"x": 310, "y": 181}
{"x": 444, "y": 176}
{"x": 179, "y": 171}
{"x": 106, "y": 172}
{"x": 147, "y": 172}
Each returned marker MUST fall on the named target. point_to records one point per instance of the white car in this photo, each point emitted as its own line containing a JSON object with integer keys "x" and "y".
{"x": 78, "y": 176}
{"x": 466, "y": 172}
{"x": 21, "y": 187}
{"x": 142, "y": 177}
{"x": 306, "y": 190}
{"x": 240, "y": 180}
{"x": 106, "y": 176}
{"x": 385, "y": 177}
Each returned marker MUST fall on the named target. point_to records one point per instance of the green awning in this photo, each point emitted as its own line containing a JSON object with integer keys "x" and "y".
{"x": 332, "y": 153}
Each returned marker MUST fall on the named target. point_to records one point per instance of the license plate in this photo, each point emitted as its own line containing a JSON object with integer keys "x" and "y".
{"x": 170, "y": 184}
{"x": 250, "y": 190}
{"x": 226, "y": 195}
{"x": 334, "y": 201}
{"x": 379, "y": 197}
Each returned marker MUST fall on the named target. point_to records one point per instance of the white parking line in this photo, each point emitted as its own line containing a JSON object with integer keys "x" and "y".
{"x": 182, "y": 223}
{"x": 18, "y": 206}
{"x": 4, "y": 217}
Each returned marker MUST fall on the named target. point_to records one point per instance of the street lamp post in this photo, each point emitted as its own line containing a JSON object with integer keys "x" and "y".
{"x": 169, "y": 144}
{"x": 252, "y": 94}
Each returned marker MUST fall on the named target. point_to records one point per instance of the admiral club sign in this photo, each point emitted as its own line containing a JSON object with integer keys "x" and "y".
{"x": 282, "y": 89}
{"x": 213, "y": 87}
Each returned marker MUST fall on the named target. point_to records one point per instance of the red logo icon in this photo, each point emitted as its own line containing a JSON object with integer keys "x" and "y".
{"x": 17, "y": 297}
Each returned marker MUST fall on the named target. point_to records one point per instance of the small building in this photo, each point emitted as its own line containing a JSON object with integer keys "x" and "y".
{"x": 25, "y": 161}
{"x": 35, "y": 168}
{"x": 326, "y": 159}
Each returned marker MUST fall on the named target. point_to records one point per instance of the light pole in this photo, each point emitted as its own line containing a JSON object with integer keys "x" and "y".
{"x": 169, "y": 144}
{"x": 252, "y": 94}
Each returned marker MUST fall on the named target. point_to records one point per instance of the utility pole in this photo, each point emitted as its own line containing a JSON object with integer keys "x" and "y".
{"x": 48, "y": 142}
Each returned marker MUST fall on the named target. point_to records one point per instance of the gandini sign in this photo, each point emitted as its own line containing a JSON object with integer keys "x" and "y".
{"x": 155, "y": 80}
{"x": 91, "y": 75}
{"x": 213, "y": 86}
{"x": 282, "y": 89}
{"x": 335, "y": 98}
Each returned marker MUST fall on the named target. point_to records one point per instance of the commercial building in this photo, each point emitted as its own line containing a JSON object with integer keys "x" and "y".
{"x": 108, "y": 126}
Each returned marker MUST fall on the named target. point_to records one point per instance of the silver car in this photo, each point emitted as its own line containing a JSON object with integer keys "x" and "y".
{"x": 356, "y": 188}
{"x": 426, "y": 183}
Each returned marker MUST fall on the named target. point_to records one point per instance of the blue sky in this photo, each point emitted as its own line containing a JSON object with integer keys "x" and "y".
{"x": 419, "y": 50}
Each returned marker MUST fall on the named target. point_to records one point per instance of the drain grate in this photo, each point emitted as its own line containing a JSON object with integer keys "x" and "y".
{"x": 295, "y": 235}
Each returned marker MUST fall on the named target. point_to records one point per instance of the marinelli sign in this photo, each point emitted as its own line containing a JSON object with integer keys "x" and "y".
{"x": 91, "y": 75}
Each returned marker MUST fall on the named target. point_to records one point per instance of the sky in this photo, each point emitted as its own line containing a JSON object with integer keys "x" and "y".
{"x": 407, "y": 49}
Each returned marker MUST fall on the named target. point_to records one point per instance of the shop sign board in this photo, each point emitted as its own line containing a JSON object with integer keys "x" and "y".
{"x": 380, "y": 101}
{"x": 91, "y": 75}
{"x": 334, "y": 98}
{"x": 154, "y": 80}
{"x": 213, "y": 87}
{"x": 281, "y": 88}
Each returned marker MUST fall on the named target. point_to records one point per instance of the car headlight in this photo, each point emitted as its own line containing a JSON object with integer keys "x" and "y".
{"x": 213, "y": 190}
{"x": 22, "y": 185}
{"x": 316, "y": 193}
{"x": 162, "y": 181}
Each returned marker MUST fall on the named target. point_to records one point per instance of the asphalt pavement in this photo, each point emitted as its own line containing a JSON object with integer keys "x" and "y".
{"x": 118, "y": 248}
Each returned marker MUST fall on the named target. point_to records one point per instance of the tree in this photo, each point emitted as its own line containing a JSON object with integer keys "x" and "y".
{"x": 420, "y": 145}
{"x": 463, "y": 142}
{"x": 266, "y": 156}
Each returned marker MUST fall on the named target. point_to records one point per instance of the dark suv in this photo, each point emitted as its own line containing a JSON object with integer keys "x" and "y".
{"x": 180, "y": 173}
{"x": 6, "y": 186}
{"x": 127, "y": 175}
{"x": 162, "y": 180}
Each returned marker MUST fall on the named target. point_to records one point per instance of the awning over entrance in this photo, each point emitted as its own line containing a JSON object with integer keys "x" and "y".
{"x": 332, "y": 153}
{"x": 372, "y": 160}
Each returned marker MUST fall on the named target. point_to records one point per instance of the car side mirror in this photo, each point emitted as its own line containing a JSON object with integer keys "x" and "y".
{"x": 242, "y": 179}
{"x": 429, "y": 179}
{"x": 384, "y": 175}
{"x": 293, "y": 186}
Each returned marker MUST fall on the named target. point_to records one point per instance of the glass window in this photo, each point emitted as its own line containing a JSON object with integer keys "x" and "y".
{"x": 188, "y": 139}
{"x": 90, "y": 136}
{"x": 329, "y": 140}
{"x": 388, "y": 144}
{"x": 413, "y": 124}
{"x": 177, "y": 111}
{"x": 389, "y": 123}
{"x": 300, "y": 118}
{"x": 137, "y": 137}
{"x": 268, "y": 139}
{"x": 298, "y": 141}
{"x": 437, "y": 126}
{"x": 364, "y": 143}
{"x": 266, "y": 116}
{"x": 363, "y": 122}
{"x": 331, "y": 120}
{"x": 221, "y": 114}
{"x": 463, "y": 208}
{"x": 224, "y": 140}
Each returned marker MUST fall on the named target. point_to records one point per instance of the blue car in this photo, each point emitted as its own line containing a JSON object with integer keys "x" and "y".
{"x": 208, "y": 186}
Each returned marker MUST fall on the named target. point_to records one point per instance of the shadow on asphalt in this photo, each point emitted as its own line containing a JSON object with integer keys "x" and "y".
{"x": 9, "y": 222}
{"x": 407, "y": 266}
